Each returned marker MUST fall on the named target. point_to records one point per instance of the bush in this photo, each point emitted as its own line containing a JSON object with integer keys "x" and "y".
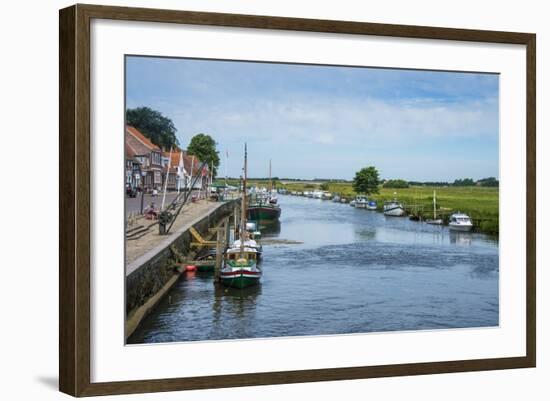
{"x": 396, "y": 184}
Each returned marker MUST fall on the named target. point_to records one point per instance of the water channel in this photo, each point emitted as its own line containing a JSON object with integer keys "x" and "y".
{"x": 356, "y": 271}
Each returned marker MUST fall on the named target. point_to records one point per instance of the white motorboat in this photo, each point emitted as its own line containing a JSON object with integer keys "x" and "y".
{"x": 253, "y": 230}
{"x": 460, "y": 222}
{"x": 352, "y": 203}
{"x": 361, "y": 201}
{"x": 318, "y": 194}
{"x": 372, "y": 205}
{"x": 393, "y": 208}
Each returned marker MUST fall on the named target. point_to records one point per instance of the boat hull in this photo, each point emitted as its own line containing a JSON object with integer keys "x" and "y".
{"x": 206, "y": 268}
{"x": 396, "y": 211}
{"x": 240, "y": 279}
{"x": 263, "y": 213}
{"x": 460, "y": 227}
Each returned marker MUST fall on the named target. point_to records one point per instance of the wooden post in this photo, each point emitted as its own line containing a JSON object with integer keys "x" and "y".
{"x": 219, "y": 252}
{"x": 227, "y": 236}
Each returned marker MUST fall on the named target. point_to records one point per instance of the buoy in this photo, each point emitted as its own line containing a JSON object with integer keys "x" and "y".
{"x": 190, "y": 268}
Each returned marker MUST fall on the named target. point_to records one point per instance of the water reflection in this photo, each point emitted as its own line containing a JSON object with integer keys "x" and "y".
{"x": 462, "y": 239}
{"x": 270, "y": 229}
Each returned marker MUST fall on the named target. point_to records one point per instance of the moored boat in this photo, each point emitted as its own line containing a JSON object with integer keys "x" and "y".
{"x": 241, "y": 263}
{"x": 361, "y": 201}
{"x": 393, "y": 208}
{"x": 208, "y": 261}
{"x": 372, "y": 205}
{"x": 253, "y": 231}
{"x": 263, "y": 211}
{"x": 241, "y": 267}
{"x": 460, "y": 222}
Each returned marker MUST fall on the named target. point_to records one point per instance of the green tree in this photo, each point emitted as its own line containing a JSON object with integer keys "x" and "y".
{"x": 204, "y": 148}
{"x": 151, "y": 123}
{"x": 324, "y": 186}
{"x": 366, "y": 181}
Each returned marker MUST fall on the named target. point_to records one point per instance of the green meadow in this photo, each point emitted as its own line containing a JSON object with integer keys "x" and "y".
{"x": 480, "y": 203}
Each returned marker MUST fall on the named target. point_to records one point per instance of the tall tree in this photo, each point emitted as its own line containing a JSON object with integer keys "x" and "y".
{"x": 203, "y": 147}
{"x": 366, "y": 181}
{"x": 151, "y": 123}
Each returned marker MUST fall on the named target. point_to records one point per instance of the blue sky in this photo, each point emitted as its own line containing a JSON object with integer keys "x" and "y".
{"x": 325, "y": 121}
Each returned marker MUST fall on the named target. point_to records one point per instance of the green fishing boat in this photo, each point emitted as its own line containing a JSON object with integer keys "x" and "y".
{"x": 241, "y": 263}
{"x": 241, "y": 268}
{"x": 264, "y": 208}
{"x": 263, "y": 212}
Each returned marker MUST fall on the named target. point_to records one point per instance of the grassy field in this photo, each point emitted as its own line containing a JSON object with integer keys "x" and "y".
{"x": 480, "y": 203}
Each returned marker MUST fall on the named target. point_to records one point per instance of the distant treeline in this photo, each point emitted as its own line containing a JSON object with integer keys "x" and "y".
{"x": 462, "y": 182}
{"x": 394, "y": 183}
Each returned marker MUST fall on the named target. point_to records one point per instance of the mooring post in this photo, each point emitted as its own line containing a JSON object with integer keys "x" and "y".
{"x": 219, "y": 252}
{"x": 227, "y": 236}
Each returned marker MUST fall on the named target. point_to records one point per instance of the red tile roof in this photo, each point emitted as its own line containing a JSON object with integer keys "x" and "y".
{"x": 129, "y": 151}
{"x": 175, "y": 162}
{"x": 188, "y": 160}
{"x": 139, "y": 142}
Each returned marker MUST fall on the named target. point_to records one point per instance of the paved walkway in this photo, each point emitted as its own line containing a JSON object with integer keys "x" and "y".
{"x": 190, "y": 214}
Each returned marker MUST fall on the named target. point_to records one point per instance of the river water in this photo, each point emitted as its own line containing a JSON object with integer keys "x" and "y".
{"x": 356, "y": 271}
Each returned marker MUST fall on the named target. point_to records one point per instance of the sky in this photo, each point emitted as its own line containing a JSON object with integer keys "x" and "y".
{"x": 316, "y": 121}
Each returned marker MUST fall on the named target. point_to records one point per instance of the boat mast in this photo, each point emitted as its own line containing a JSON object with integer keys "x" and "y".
{"x": 434, "y": 204}
{"x": 243, "y": 206}
{"x": 270, "y": 181}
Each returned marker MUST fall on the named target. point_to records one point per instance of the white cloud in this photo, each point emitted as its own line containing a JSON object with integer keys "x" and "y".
{"x": 309, "y": 120}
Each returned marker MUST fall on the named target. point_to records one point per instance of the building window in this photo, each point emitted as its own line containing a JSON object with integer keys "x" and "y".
{"x": 158, "y": 177}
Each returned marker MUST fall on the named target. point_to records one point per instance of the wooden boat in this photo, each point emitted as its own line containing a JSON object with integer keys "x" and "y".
{"x": 210, "y": 259}
{"x": 241, "y": 263}
{"x": 241, "y": 267}
{"x": 264, "y": 209}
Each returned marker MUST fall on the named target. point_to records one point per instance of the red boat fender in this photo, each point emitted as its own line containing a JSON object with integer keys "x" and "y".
{"x": 190, "y": 268}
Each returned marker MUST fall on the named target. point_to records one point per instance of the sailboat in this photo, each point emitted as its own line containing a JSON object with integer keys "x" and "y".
{"x": 435, "y": 220}
{"x": 241, "y": 268}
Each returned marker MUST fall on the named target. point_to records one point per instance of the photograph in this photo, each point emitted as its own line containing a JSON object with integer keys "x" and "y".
{"x": 269, "y": 199}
